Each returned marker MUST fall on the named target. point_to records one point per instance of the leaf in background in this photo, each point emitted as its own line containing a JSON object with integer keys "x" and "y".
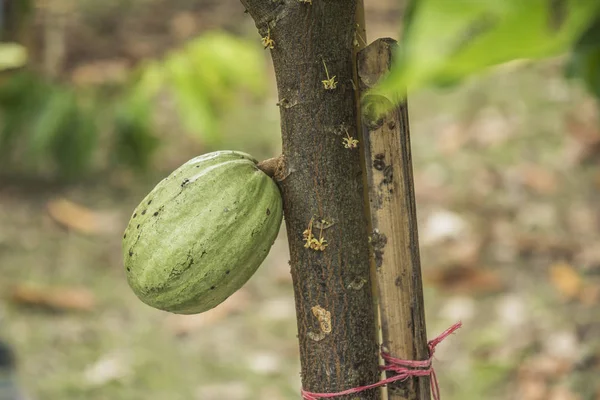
{"x": 447, "y": 41}
{"x": 44, "y": 122}
{"x": 194, "y": 107}
{"x": 135, "y": 141}
{"x": 585, "y": 59}
{"x": 149, "y": 79}
{"x": 12, "y": 55}
{"x": 239, "y": 63}
{"x": 20, "y": 97}
{"x": 205, "y": 77}
{"x": 75, "y": 140}
{"x": 50, "y": 121}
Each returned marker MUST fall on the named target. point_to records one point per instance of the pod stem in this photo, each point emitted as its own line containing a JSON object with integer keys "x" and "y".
{"x": 273, "y": 167}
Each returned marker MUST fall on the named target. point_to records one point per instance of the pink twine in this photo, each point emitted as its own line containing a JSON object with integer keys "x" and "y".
{"x": 403, "y": 369}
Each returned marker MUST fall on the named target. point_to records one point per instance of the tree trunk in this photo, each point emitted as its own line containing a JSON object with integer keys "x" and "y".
{"x": 322, "y": 187}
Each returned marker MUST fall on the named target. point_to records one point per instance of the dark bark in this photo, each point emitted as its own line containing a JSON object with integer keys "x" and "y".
{"x": 323, "y": 181}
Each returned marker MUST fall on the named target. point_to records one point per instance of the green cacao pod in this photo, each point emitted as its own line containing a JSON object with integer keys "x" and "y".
{"x": 201, "y": 233}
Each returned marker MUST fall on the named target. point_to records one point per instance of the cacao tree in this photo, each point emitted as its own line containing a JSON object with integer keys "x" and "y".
{"x": 321, "y": 173}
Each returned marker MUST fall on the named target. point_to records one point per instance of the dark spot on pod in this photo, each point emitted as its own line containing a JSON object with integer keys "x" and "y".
{"x": 268, "y": 212}
{"x": 134, "y": 215}
{"x": 185, "y": 182}
{"x": 128, "y": 269}
{"x": 130, "y": 252}
{"x": 124, "y": 236}
{"x": 197, "y": 166}
{"x": 212, "y": 288}
{"x": 227, "y": 272}
{"x": 155, "y": 214}
{"x": 138, "y": 226}
{"x": 144, "y": 212}
{"x": 149, "y": 202}
{"x": 380, "y": 156}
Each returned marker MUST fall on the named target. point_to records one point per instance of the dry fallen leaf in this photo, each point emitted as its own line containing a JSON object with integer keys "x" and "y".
{"x": 584, "y": 135}
{"x": 100, "y": 72}
{"x": 182, "y": 325}
{"x": 54, "y": 298}
{"x": 556, "y": 247}
{"x": 565, "y": 280}
{"x": 563, "y": 393}
{"x": 536, "y": 374}
{"x": 546, "y": 366}
{"x": 465, "y": 279}
{"x": 539, "y": 179}
{"x": 81, "y": 219}
{"x": 583, "y": 124}
{"x": 532, "y": 389}
{"x": 451, "y": 138}
{"x": 466, "y": 252}
{"x": 590, "y": 295}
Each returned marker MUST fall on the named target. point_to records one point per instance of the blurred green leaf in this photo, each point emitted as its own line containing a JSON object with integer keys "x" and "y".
{"x": 48, "y": 125}
{"x": 447, "y": 41}
{"x": 191, "y": 92}
{"x": 585, "y": 59}
{"x": 43, "y": 124}
{"x": 205, "y": 77}
{"x": 135, "y": 142}
{"x": 12, "y": 55}
{"x": 75, "y": 139}
{"x": 21, "y": 96}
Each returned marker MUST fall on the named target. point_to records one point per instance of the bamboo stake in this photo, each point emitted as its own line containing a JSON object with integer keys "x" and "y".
{"x": 394, "y": 238}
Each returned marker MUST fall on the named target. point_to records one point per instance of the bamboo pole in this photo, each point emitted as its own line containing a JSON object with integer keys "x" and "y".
{"x": 394, "y": 239}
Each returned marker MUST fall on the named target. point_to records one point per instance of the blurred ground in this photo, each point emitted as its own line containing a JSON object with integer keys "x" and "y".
{"x": 508, "y": 196}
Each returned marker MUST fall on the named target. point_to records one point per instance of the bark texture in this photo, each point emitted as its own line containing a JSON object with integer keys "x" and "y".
{"x": 394, "y": 238}
{"x": 323, "y": 184}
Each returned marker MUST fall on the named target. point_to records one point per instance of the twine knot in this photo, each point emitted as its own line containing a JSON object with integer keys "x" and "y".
{"x": 402, "y": 369}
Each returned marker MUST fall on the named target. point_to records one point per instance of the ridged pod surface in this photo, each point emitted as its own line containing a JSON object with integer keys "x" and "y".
{"x": 201, "y": 233}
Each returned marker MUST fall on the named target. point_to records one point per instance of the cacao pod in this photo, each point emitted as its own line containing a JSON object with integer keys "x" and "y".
{"x": 201, "y": 233}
